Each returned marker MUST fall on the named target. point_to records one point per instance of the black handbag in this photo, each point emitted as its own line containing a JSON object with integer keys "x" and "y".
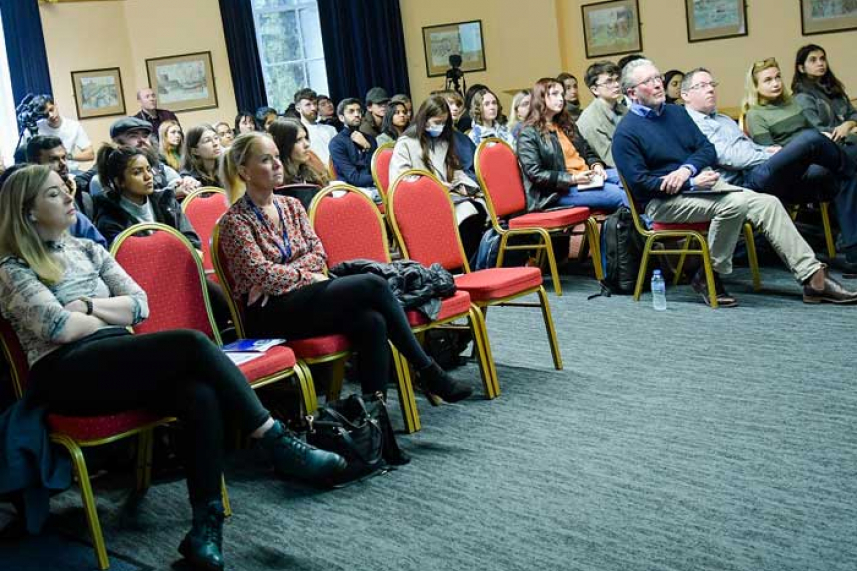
{"x": 360, "y": 431}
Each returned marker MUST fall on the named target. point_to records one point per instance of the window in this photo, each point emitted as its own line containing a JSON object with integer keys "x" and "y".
{"x": 288, "y": 34}
{"x": 8, "y": 124}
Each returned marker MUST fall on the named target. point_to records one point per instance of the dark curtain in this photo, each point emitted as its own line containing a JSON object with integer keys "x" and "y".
{"x": 25, "y": 48}
{"x": 364, "y": 47}
{"x": 244, "y": 63}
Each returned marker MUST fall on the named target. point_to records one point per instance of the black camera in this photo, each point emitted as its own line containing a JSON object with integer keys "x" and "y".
{"x": 31, "y": 109}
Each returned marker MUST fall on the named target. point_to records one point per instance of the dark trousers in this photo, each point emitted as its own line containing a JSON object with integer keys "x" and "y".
{"x": 810, "y": 167}
{"x": 361, "y": 307}
{"x": 177, "y": 373}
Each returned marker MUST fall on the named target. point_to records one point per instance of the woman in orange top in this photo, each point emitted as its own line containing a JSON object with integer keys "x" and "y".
{"x": 556, "y": 160}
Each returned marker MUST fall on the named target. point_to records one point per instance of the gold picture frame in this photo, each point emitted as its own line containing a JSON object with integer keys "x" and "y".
{"x": 462, "y": 38}
{"x": 183, "y": 82}
{"x": 98, "y": 92}
{"x": 611, "y": 28}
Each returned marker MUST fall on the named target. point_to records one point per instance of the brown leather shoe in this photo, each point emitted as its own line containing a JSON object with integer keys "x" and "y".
{"x": 832, "y": 292}
{"x": 700, "y": 286}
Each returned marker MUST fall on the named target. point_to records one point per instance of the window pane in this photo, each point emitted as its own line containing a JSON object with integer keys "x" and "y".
{"x": 265, "y": 4}
{"x": 317, "y": 75}
{"x": 311, "y": 30}
{"x": 281, "y": 83}
{"x": 277, "y": 41}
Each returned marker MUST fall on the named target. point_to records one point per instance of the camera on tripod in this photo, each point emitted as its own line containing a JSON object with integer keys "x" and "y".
{"x": 455, "y": 76}
{"x": 31, "y": 109}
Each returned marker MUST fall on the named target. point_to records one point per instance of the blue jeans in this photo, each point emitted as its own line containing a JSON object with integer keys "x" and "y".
{"x": 606, "y": 199}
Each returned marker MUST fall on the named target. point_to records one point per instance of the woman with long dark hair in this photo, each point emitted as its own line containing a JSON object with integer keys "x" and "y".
{"x": 278, "y": 265}
{"x": 300, "y": 166}
{"x": 556, "y": 160}
{"x": 245, "y": 122}
{"x": 430, "y": 144}
{"x": 395, "y": 122}
{"x": 200, "y": 153}
{"x": 70, "y": 305}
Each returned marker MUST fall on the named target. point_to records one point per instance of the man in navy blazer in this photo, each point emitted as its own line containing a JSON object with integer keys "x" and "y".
{"x": 351, "y": 151}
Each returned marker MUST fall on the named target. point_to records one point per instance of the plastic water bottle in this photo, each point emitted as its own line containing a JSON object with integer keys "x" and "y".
{"x": 659, "y": 292}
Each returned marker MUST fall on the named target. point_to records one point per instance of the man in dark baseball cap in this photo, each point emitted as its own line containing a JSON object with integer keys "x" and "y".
{"x": 376, "y": 108}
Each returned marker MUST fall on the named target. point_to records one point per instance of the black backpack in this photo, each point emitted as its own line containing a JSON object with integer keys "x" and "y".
{"x": 621, "y": 253}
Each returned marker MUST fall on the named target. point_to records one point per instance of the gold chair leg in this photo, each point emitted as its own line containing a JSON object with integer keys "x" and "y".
{"x": 501, "y": 251}
{"x": 554, "y": 342}
{"x": 224, "y": 496}
{"x": 87, "y": 497}
{"x": 752, "y": 257}
{"x": 337, "y": 377}
{"x": 557, "y": 285}
{"x": 595, "y": 247}
{"x": 306, "y": 387}
{"x": 681, "y": 260}
{"x": 709, "y": 271}
{"x": 828, "y": 233}
{"x": 145, "y": 441}
{"x": 407, "y": 401}
{"x": 482, "y": 347}
{"x": 644, "y": 264}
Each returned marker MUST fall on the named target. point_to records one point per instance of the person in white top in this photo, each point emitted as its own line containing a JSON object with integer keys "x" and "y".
{"x": 70, "y": 132}
{"x": 306, "y": 103}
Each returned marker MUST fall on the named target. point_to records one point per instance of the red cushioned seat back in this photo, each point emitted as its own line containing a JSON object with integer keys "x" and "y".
{"x": 15, "y": 356}
{"x": 349, "y": 226}
{"x": 500, "y": 177}
{"x": 203, "y": 211}
{"x": 166, "y": 266}
{"x": 423, "y": 215}
{"x": 381, "y": 169}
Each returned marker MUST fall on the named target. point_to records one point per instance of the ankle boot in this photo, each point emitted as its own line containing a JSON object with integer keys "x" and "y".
{"x": 437, "y": 384}
{"x": 203, "y": 545}
{"x": 295, "y": 458}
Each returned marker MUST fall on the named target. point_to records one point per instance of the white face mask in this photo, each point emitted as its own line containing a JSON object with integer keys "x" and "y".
{"x": 434, "y": 131}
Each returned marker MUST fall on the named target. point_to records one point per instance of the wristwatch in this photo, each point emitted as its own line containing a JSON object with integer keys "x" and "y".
{"x": 88, "y": 302}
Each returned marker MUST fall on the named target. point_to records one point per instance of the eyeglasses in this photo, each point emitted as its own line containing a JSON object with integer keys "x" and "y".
{"x": 765, "y": 64}
{"x": 703, "y": 85}
{"x": 611, "y": 82}
{"x": 651, "y": 81}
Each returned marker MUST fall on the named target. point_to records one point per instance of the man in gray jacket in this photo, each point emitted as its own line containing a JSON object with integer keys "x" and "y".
{"x": 598, "y": 121}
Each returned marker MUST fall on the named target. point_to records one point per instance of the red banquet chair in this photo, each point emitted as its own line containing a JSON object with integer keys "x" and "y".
{"x": 164, "y": 264}
{"x": 381, "y": 171}
{"x": 423, "y": 217}
{"x": 203, "y": 208}
{"x": 350, "y": 227}
{"x": 310, "y": 351}
{"x": 500, "y": 177}
{"x": 77, "y": 432}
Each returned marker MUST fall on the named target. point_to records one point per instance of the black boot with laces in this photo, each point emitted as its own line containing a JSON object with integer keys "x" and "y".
{"x": 203, "y": 545}
{"x": 294, "y": 458}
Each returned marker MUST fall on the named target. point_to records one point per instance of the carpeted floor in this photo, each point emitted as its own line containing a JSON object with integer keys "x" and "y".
{"x": 685, "y": 440}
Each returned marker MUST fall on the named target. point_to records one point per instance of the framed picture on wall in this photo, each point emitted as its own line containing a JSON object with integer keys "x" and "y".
{"x": 715, "y": 19}
{"x": 611, "y": 28}
{"x": 826, "y": 16}
{"x": 444, "y": 40}
{"x": 98, "y": 92}
{"x": 183, "y": 83}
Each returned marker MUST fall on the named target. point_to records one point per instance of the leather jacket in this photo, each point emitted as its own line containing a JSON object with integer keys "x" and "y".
{"x": 543, "y": 165}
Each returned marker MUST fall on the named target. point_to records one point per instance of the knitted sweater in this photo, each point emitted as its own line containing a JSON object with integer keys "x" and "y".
{"x": 776, "y": 123}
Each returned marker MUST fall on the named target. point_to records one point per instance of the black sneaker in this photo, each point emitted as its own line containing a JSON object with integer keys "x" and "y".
{"x": 294, "y": 458}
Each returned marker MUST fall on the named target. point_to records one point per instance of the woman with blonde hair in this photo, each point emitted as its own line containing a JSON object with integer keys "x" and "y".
{"x": 170, "y": 139}
{"x": 278, "y": 265}
{"x": 520, "y": 110}
{"x": 771, "y": 114}
{"x": 70, "y": 304}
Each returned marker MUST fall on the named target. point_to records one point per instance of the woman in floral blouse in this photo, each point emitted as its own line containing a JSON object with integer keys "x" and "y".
{"x": 70, "y": 303}
{"x": 278, "y": 265}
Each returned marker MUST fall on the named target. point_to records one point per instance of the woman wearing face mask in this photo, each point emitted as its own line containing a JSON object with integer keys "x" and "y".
{"x": 200, "y": 154}
{"x": 170, "y": 138}
{"x": 429, "y": 144}
{"x": 488, "y": 119}
{"x": 823, "y": 99}
{"x": 556, "y": 159}
{"x": 520, "y": 110}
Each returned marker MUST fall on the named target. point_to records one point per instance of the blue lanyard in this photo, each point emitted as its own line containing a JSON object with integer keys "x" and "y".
{"x": 287, "y": 253}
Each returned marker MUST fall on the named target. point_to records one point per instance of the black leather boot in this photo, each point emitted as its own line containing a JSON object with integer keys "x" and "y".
{"x": 203, "y": 545}
{"x": 437, "y": 384}
{"x": 292, "y": 457}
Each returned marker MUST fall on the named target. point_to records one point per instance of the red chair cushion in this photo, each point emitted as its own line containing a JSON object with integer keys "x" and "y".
{"x": 98, "y": 427}
{"x": 552, "y": 219}
{"x": 457, "y": 304}
{"x": 275, "y": 360}
{"x": 496, "y": 283}
{"x": 698, "y": 226}
{"x": 319, "y": 346}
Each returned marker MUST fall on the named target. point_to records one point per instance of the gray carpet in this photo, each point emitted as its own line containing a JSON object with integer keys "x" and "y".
{"x": 690, "y": 439}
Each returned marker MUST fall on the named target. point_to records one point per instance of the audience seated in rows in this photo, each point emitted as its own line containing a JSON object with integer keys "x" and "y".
{"x": 429, "y": 144}
{"x": 306, "y": 104}
{"x": 598, "y": 121}
{"x": 662, "y": 154}
{"x": 149, "y": 111}
{"x": 555, "y": 159}
{"x": 75, "y": 285}
{"x": 351, "y": 151}
{"x": 278, "y": 264}
{"x": 806, "y": 168}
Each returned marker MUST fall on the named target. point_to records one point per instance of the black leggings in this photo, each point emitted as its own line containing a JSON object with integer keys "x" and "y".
{"x": 177, "y": 373}
{"x": 361, "y": 307}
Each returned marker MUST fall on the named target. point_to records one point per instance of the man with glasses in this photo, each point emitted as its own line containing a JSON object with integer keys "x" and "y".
{"x": 808, "y": 166}
{"x": 664, "y": 156}
{"x": 598, "y": 121}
